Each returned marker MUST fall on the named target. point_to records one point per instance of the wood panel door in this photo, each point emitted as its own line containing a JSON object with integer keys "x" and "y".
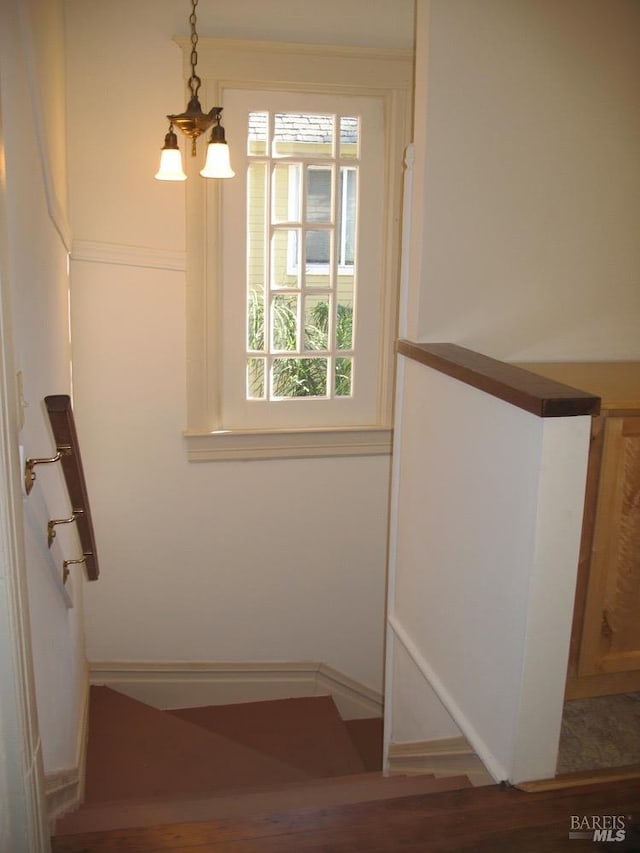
{"x": 611, "y": 631}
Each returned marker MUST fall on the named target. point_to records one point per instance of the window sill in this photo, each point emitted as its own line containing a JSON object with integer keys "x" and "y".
{"x": 287, "y": 444}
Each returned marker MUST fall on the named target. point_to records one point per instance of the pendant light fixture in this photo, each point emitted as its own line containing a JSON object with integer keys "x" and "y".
{"x": 193, "y": 122}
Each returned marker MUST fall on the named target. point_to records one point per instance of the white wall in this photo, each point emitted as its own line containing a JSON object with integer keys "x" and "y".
{"x": 527, "y": 131}
{"x": 416, "y": 715}
{"x": 32, "y": 80}
{"x": 522, "y": 244}
{"x": 200, "y": 561}
{"x": 487, "y": 524}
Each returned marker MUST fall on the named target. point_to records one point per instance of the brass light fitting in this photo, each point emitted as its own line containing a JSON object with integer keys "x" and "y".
{"x": 192, "y": 123}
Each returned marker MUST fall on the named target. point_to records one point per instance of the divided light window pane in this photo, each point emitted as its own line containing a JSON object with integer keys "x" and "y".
{"x": 302, "y": 200}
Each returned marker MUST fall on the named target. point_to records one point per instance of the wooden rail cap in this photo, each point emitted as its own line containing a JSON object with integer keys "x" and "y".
{"x": 522, "y": 388}
{"x": 65, "y": 435}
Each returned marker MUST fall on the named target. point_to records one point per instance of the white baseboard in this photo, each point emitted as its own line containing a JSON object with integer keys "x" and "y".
{"x": 466, "y": 726}
{"x": 64, "y": 789}
{"x": 62, "y": 793}
{"x": 446, "y": 757}
{"x": 354, "y": 699}
{"x": 184, "y": 684}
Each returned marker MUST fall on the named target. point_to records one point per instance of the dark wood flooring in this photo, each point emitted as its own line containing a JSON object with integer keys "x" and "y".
{"x": 492, "y": 819}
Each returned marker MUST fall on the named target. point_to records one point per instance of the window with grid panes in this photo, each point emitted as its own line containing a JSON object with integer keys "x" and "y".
{"x": 251, "y": 339}
{"x": 309, "y": 252}
{"x": 300, "y": 313}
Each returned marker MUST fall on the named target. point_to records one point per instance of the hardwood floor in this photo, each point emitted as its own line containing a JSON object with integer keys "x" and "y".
{"x": 492, "y": 819}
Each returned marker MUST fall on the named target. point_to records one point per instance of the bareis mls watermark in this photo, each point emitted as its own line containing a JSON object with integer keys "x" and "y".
{"x": 598, "y": 827}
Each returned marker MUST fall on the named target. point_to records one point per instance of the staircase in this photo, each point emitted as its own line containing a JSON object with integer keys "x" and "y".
{"x": 290, "y": 776}
{"x": 152, "y": 768}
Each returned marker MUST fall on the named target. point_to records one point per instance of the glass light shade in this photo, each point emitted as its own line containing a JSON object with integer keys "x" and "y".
{"x": 217, "y": 164}
{"x": 171, "y": 166}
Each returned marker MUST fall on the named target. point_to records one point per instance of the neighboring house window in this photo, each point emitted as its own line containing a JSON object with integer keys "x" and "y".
{"x": 319, "y": 209}
{"x": 293, "y": 273}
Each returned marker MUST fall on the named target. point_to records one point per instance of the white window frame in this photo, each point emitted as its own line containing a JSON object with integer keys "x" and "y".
{"x": 222, "y": 64}
{"x": 330, "y": 411}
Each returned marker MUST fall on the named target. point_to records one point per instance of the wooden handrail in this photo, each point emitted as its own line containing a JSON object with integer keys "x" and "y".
{"x": 522, "y": 388}
{"x": 66, "y": 438}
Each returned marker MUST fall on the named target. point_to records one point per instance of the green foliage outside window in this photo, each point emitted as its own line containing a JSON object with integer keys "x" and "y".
{"x": 303, "y": 376}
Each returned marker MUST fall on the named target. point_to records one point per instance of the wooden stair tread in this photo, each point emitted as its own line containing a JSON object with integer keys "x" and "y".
{"x": 147, "y": 767}
{"x": 305, "y": 732}
{"x": 124, "y": 759}
{"x": 493, "y": 819}
{"x": 333, "y": 781}
{"x": 367, "y": 736}
{"x": 313, "y": 794}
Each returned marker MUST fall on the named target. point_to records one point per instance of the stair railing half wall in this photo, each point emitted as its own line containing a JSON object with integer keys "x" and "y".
{"x": 63, "y": 426}
{"x": 488, "y": 484}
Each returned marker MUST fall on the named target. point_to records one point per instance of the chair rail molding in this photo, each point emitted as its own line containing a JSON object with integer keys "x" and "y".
{"x": 128, "y": 256}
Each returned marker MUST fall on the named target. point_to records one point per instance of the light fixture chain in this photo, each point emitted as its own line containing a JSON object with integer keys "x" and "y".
{"x": 194, "y": 80}
{"x": 193, "y": 122}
